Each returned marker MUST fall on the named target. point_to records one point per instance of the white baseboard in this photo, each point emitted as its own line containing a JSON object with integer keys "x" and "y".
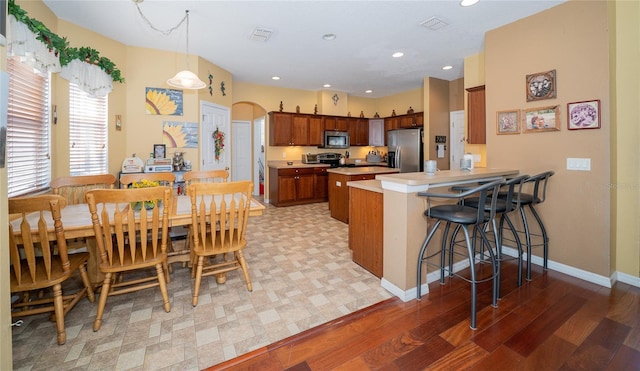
{"x": 410, "y": 294}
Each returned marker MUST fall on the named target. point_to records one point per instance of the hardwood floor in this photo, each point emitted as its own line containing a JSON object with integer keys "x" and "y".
{"x": 553, "y": 322}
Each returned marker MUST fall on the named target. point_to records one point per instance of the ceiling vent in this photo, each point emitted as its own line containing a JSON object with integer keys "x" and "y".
{"x": 434, "y": 23}
{"x": 260, "y": 34}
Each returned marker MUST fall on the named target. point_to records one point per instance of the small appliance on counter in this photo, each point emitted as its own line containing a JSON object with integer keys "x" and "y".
{"x": 132, "y": 164}
{"x": 308, "y": 158}
{"x": 159, "y": 165}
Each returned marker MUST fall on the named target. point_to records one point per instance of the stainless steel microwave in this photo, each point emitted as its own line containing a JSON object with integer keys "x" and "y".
{"x": 336, "y": 139}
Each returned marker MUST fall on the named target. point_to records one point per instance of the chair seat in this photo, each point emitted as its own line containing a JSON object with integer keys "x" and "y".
{"x": 501, "y": 204}
{"x": 220, "y": 248}
{"x": 128, "y": 263}
{"x": 525, "y": 198}
{"x": 455, "y": 213}
{"x": 58, "y": 275}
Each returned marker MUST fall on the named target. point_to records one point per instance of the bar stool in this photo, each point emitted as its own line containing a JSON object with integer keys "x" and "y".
{"x": 538, "y": 195}
{"x": 509, "y": 202}
{"x": 466, "y": 217}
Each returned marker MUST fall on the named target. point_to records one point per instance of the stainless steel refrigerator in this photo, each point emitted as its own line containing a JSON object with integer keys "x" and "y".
{"x": 406, "y": 147}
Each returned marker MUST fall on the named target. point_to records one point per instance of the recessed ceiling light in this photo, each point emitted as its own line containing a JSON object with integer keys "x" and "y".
{"x": 275, "y": 78}
{"x": 327, "y": 85}
{"x": 397, "y": 54}
{"x": 447, "y": 67}
{"x": 328, "y": 36}
{"x": 468, "y": 2}
{"x": 368, "y": 91}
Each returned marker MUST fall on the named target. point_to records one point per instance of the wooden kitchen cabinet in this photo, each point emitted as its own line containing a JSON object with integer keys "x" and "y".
{"x": 366, "y": 229}
{"x": 359, "y": 131}
{"x": 339, "y": 194}
{"x": 286, "y": 129}
{"x": 476, "y": 125}
{"x": 316, "y": 130}
{"x": 296, "y": 186}
{"x": 412, "y": 120}
{"x": 321, "y": 183}
{"x": 336, "y": 123}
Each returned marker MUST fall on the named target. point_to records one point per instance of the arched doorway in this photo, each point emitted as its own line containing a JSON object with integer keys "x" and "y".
{"x": 253, "y": 114}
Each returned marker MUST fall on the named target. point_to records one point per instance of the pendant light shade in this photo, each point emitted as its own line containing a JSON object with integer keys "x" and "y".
{"x": 186, "y": 79}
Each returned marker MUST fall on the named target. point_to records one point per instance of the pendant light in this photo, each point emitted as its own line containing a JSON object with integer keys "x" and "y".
{"x": 186, "y": 79}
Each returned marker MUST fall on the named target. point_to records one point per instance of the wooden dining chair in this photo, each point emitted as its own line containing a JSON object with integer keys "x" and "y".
{"x": 226, "y": 206}
{"x": 192, "y": 177}
{"x": 165, "y": 179}
{"x": 35, "y": 266}
{"x": 204, "y": 176}
{"x": 130, "y": 240}
{"x": 73, "y": 188}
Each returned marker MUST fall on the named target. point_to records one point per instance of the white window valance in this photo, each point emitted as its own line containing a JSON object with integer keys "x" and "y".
{"x": 22, "y": 42}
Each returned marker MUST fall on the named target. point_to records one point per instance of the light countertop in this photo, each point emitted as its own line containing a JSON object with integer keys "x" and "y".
{"x": 373, "y": 185}
{"x": 296, "y": 164}
{"x": 419, "y": 180}
{"x": 361, "y": 170}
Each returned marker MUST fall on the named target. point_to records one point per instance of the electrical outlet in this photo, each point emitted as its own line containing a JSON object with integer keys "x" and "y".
{"x": 579, "y": 164}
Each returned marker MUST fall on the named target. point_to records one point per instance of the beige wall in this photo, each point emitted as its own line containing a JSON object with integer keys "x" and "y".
{"x": 437, "y": 120}
{"x": 474, "y": 76}
{"x": 625, "y": 136}
{"x": 571, "y": 38}
{"x": 456, "y": 95}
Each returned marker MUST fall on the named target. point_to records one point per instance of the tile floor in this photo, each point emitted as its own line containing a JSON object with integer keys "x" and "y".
{"x": 302, "y": 276}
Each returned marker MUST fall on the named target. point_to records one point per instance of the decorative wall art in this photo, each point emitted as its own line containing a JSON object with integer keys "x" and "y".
{"x": 180, "y": 134}
{"x": 160, "y": 101}
{"x": 542, "y": 119}
{"x": 583, "y": 115}
{"x": 210, "y": 84}
{"x": 159, "y": 151}
{"x": 541, "y": 86}
{"x": 508, "y": 122}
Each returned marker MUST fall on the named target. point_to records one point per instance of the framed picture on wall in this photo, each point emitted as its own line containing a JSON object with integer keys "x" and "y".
{"x": 508, "y": 122}
{"x": 541, "y": 85}
{"x": 159, "y": 151}
{"x": 541, "y": 119}
{"x": 583, "y": 115}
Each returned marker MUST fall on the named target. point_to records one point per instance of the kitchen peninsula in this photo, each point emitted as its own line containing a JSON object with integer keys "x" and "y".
{"x": 339, "y": 191}
{"x": 404, "y": 225}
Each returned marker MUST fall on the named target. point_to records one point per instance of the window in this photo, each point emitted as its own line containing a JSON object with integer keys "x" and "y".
{"x": 28, "y": 137}
{"x": 88, "y": 132}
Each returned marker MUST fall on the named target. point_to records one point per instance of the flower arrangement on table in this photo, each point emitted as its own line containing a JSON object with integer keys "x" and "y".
{"x": 148, "y": 205}
{"x": 218, "y": 140}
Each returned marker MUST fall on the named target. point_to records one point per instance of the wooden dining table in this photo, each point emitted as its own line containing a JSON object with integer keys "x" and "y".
{"x": 76, "y": 220}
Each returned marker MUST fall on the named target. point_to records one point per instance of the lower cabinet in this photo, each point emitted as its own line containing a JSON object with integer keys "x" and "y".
{"x": 339, "y": 194}
{"x": 366, "y": 229}
{"x": 295, "y": 186}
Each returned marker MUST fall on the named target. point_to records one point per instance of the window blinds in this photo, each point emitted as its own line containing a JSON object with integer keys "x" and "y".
{"x": 88, "y": 133}
{"x": 28, "y": 138}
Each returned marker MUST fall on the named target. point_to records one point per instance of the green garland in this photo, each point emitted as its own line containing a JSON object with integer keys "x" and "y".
{"x": 61, "y": 46}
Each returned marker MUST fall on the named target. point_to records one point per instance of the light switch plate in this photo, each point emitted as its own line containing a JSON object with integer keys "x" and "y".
{"x": 579, "y": 164}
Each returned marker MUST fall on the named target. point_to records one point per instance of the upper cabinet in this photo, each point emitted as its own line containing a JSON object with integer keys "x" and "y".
{"x": 411, "y": 120}
{"x": 316, "y": 130}
{"x": 286, "y": 129}
{"x": 476, "y": 126}
{"x": 359, "y": 131}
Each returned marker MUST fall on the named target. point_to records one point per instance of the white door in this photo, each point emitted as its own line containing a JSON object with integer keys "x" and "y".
{"x": 258, "y": 154}
{"x": 241, "y": 150}
{"x": 456, "y": 132}
{"x": 214, "y": 117}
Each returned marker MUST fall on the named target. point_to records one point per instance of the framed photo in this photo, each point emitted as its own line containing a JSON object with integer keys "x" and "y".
{"x": 542, "y": 119}
{"x": 159, "y": 151}
{"x": 583, "y": 115}
{"x": 508, "y": 122}
{"x": 541, "y": 86}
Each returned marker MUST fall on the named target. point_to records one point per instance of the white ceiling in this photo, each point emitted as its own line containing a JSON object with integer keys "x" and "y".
{"x": 368, "y": 32}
